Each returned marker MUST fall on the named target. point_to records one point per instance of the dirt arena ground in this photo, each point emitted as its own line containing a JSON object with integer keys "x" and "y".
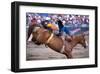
{"x": 35, "y": 52}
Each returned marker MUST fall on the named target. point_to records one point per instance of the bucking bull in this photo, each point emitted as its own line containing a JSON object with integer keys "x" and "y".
{"x": 43, "y": 36}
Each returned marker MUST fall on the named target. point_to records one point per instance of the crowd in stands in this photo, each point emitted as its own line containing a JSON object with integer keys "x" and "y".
{"x": 57, "y": 22}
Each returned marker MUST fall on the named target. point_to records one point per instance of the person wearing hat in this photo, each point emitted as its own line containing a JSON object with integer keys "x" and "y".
{"x": 52, "y": 27}
{"x": 63, "y": 31}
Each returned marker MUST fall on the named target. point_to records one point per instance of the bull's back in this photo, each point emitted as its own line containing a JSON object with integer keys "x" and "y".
{"x": 56, "y": 43}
